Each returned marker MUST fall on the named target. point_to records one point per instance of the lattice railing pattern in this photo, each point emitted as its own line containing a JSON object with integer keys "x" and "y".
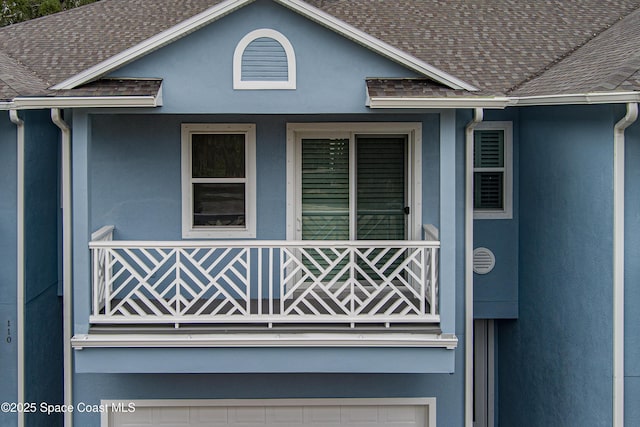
{"x": 221, "y": 282}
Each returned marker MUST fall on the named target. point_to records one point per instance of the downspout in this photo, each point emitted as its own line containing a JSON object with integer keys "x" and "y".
{"x": 13, "y": 115}
{"x": 478, "y": 114}
{"x": 618, "y": 261}
{"x": 66, "y": 260}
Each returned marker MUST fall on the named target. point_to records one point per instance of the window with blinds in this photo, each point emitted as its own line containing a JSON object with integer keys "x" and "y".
{"x": 491, "y": 170}
{"x": 367, "y": 203}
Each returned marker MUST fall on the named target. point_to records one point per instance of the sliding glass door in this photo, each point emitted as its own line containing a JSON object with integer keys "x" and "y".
{"x": 354, "y": 188}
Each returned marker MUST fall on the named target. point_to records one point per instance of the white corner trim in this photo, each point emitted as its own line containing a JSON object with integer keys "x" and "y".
{"x": 375, "y": 44}
{"x": 618, "y": 261}
{"x": 20, "y": 256}
{"x": 153, "y": 43}
{"x": 290, "y": 83}
{"x": 67, "y": 262}
{"x": 478, "y": 116}
{"x": 358, "y": 339}
{"x": 46, "y": 102}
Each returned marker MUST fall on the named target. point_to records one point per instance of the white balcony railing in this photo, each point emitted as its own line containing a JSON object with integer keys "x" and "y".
{"x": 263, "y": 282}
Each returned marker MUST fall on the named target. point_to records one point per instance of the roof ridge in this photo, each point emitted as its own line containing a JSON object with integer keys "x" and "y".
{"x": 570, "y": 52}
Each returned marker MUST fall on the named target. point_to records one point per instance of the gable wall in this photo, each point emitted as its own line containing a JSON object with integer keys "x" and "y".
{"x": 197, "y": 69}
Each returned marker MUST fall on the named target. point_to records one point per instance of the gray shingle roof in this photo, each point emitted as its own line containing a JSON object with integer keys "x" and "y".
{"x": 499, "y": 46}
{"x": 59, "y": 46}
{"x": 493, "y": 45}
{"x": 609, "y": 62}
{"x": 16, "y": 79}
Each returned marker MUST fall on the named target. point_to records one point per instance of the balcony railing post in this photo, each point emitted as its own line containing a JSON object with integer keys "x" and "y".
{"x": 434, "y": 282}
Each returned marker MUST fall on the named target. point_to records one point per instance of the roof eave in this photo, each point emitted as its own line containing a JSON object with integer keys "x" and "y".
{"x": 501, "y": 102}
{"x": 492, "y": 102}
{"x": 579, "y": 98}
{"x": 32, "y": 103}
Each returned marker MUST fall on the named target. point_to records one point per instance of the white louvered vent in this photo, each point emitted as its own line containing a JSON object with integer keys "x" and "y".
{"x": 264, "y": 59}
{"x": 483, "y": 260}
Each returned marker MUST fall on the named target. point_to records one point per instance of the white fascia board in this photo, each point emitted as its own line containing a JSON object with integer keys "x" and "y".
{"x": 153, "y": 43}
{"x": 578, "y": 98}
{"x": 263, "y": 340}
{"x": 375, "y": 44}
{"x": 7, "y": 106}
{"x": 28, "y": 103}
{"x": 504, "y": 102}
{"x": 472, "y": 102}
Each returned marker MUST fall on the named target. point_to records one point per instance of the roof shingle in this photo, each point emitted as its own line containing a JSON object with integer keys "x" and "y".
{"x": 499, "y": 46}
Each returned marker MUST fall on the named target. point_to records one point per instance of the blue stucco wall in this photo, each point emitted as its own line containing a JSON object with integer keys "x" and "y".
{"x": 197, "y": 70}
{"x": 133, "y": 182}
{"x": 495, "y": 295}
{"x": 555, "y": 360}
{"x": 43, "y": 306}
{"x": 8, "y": 270}
{"x": 632, "y": 274}
{"x": 447, "y": 388}
{"x": 43, "y": 321}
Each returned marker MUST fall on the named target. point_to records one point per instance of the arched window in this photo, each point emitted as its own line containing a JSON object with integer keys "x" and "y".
{"x": 264, "y": 59}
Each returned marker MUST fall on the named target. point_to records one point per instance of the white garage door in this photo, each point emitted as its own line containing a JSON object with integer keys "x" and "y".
{"x": 273, "y": 413}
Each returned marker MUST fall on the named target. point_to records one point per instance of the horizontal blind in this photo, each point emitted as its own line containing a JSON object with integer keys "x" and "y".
{"x": 381, "y": 188}
{"x": 325, "y": 189}
{"x": 489, "y": 148}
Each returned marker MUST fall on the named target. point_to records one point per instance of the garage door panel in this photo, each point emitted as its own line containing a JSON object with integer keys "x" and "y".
{"x": 275, "y": 415}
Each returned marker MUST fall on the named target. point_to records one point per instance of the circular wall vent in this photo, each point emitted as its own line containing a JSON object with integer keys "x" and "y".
{"x": 483, "y": 260}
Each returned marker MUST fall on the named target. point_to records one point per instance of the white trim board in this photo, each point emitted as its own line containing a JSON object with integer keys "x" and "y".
{"x": 263, "y": 340}
{"x": 218, "y": 11}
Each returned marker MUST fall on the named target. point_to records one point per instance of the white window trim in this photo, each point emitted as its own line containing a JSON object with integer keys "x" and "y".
{"x": 106, "y": 406}
{"x": 238, "y": 83}
{"x": 297, "y": 131}
{"x": 249, "y": 230}
{"x": 507, "y": 212}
